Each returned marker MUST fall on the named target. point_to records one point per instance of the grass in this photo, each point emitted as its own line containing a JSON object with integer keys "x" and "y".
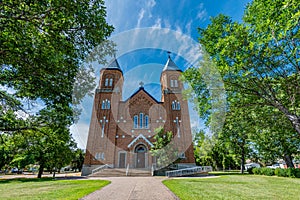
{"x": 235, "y": 187}
{"x": 47, "y": 188}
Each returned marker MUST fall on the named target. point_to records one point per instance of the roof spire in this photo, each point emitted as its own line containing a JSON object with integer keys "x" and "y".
{"x": 113, "y": 64}
{"x": 170, "y": 65}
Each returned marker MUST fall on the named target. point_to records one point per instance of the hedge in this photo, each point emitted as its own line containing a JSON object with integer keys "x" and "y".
{"x": 290, "y": 172}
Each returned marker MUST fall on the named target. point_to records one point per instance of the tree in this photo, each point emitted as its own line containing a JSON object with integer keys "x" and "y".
{"x": 43, "y": 48}
{"x": 259, "y": 66}
{"x": 164, "y": 150}
{"x": 43, "y": 45}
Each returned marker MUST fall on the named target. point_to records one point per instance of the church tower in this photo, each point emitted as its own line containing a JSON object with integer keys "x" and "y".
{"x": 178, "y": 120}
{"x": 103, "y": 127}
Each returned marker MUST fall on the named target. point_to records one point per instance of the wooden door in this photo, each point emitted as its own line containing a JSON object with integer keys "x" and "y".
{"x": 122, "y": 158}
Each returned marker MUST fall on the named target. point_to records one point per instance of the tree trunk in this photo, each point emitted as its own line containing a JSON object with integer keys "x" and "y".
{"x": 41, "y": 169}
{"x": 288, "y": 160}
{"x": 54, "y": 172}
{"x": 243, "y": 160}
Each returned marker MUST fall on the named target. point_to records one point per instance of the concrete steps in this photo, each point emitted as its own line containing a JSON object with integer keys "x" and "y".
{"x": 118, "y": 172}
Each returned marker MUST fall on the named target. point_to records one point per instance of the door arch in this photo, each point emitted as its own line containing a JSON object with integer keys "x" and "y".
{"x": 140, "y": 151}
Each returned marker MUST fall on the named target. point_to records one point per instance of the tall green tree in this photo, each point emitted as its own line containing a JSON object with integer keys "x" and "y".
{"x": 43, "y": 47}
{"x": 164, "y": 150}
{"x": 258, "y": 61}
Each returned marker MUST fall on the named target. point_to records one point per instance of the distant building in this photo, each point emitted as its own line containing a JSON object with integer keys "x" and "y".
{"x": 121, "y": 131}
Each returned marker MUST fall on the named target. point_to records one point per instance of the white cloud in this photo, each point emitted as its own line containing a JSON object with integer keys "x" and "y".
{"x": 202, "y": 14}
{"x": 157, "y": 23}
{"x": 141, "y": 16}
{"x": 188, "y": 27}
{"x": 151, "y": 3}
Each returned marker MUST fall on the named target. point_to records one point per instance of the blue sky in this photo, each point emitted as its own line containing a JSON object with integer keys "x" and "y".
{"x": 175, "y": 22}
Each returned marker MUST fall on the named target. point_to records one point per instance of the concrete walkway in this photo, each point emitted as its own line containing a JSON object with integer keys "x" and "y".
{"x": 133, "y": 188}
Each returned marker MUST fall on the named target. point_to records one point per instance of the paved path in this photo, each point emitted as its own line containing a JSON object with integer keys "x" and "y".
{"x": 133, "y": 188}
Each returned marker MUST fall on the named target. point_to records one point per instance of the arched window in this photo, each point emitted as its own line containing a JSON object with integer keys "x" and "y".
{"x": 175, "y": 105}
{"x": 146, "y": 121}
{"x": 141, "y": 119}
{"x": 105, "y": 104}
{"x": 175, "y": 83}
{"x": 108, "y": 104}
{"x": 172, "y": 83}
{"x": 110, "y": 82}
{"x": 106, "y": 82}
{"x": 135, "y": 121}
{"x": 178, "y": 105}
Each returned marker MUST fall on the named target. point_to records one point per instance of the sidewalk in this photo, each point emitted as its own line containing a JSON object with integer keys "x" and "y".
{"x": 133, "y": 188}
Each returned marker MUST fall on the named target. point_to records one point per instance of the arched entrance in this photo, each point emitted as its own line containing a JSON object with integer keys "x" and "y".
{"x": 140, "y": 151}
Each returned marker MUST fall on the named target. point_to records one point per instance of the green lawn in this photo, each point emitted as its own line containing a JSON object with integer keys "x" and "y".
{"x": 47, "y": 188}
{"x": 235, "y": 187}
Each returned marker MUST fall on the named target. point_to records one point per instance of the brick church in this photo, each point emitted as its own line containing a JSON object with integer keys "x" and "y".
{"x": 121, "y": 132}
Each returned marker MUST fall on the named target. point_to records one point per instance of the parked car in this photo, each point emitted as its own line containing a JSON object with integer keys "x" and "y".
{"x": 252, "y": 165}
{"x": 277, "y": 165}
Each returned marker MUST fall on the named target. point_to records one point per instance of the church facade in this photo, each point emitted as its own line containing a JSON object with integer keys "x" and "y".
{"x": 121, "y": 132}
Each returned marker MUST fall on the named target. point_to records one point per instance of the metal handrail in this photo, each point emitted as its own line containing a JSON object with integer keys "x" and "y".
{"x": 188, "y": 171}
{"x": 127, "y": 169}
{"x": 102, "y": 167}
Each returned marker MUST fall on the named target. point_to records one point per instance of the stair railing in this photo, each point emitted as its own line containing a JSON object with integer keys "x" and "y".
{"x": 102, "y": 167}
{"x": 127, "y": 169}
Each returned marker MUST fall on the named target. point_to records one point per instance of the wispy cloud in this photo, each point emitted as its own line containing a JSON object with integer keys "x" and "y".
{"x": 157, "y": 23}
{"x": 141, "y": 16}
{"x": 202, "y": 14}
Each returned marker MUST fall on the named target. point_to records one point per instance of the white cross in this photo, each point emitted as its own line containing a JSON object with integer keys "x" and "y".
{"x": 103, "y": 122}
{"x": 177, "y": 121}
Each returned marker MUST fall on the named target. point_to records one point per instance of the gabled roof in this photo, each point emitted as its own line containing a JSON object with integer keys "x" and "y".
{"x": 171, "y": 66}
{"x": 142, "y": 89}
{"x": 139, "y": 137}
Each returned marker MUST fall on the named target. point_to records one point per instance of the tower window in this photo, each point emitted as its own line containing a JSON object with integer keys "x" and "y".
{"x": 105, "y": 104}
{"x": 174, "y": 83}
{"x": 175, "y": 105}
{"x": 110, "y": 82}
{"x": 106, "y": 82}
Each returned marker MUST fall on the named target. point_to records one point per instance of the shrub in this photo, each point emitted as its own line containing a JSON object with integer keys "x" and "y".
{"x": 250, "y": 170}
{"x": 281, "y": 172}
{"x": 256, "y": 170}
{"x": 267, "y": 171}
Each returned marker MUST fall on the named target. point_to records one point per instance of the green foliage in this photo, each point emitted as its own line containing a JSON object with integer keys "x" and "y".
{"x": 43, "y": 47}
{"x": 254, "y": 170}
{"x": 280, "y": 172}
{"x": 258, "y": 63}
{"x": 164, "y": 150}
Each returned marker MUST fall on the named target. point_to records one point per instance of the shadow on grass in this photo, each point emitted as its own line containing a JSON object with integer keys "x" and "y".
{"x": 12, "y": 180}
{"x": 224, "y": 173}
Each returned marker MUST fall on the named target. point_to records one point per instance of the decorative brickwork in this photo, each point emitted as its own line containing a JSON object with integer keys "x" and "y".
{"x": 121, "y": 132}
